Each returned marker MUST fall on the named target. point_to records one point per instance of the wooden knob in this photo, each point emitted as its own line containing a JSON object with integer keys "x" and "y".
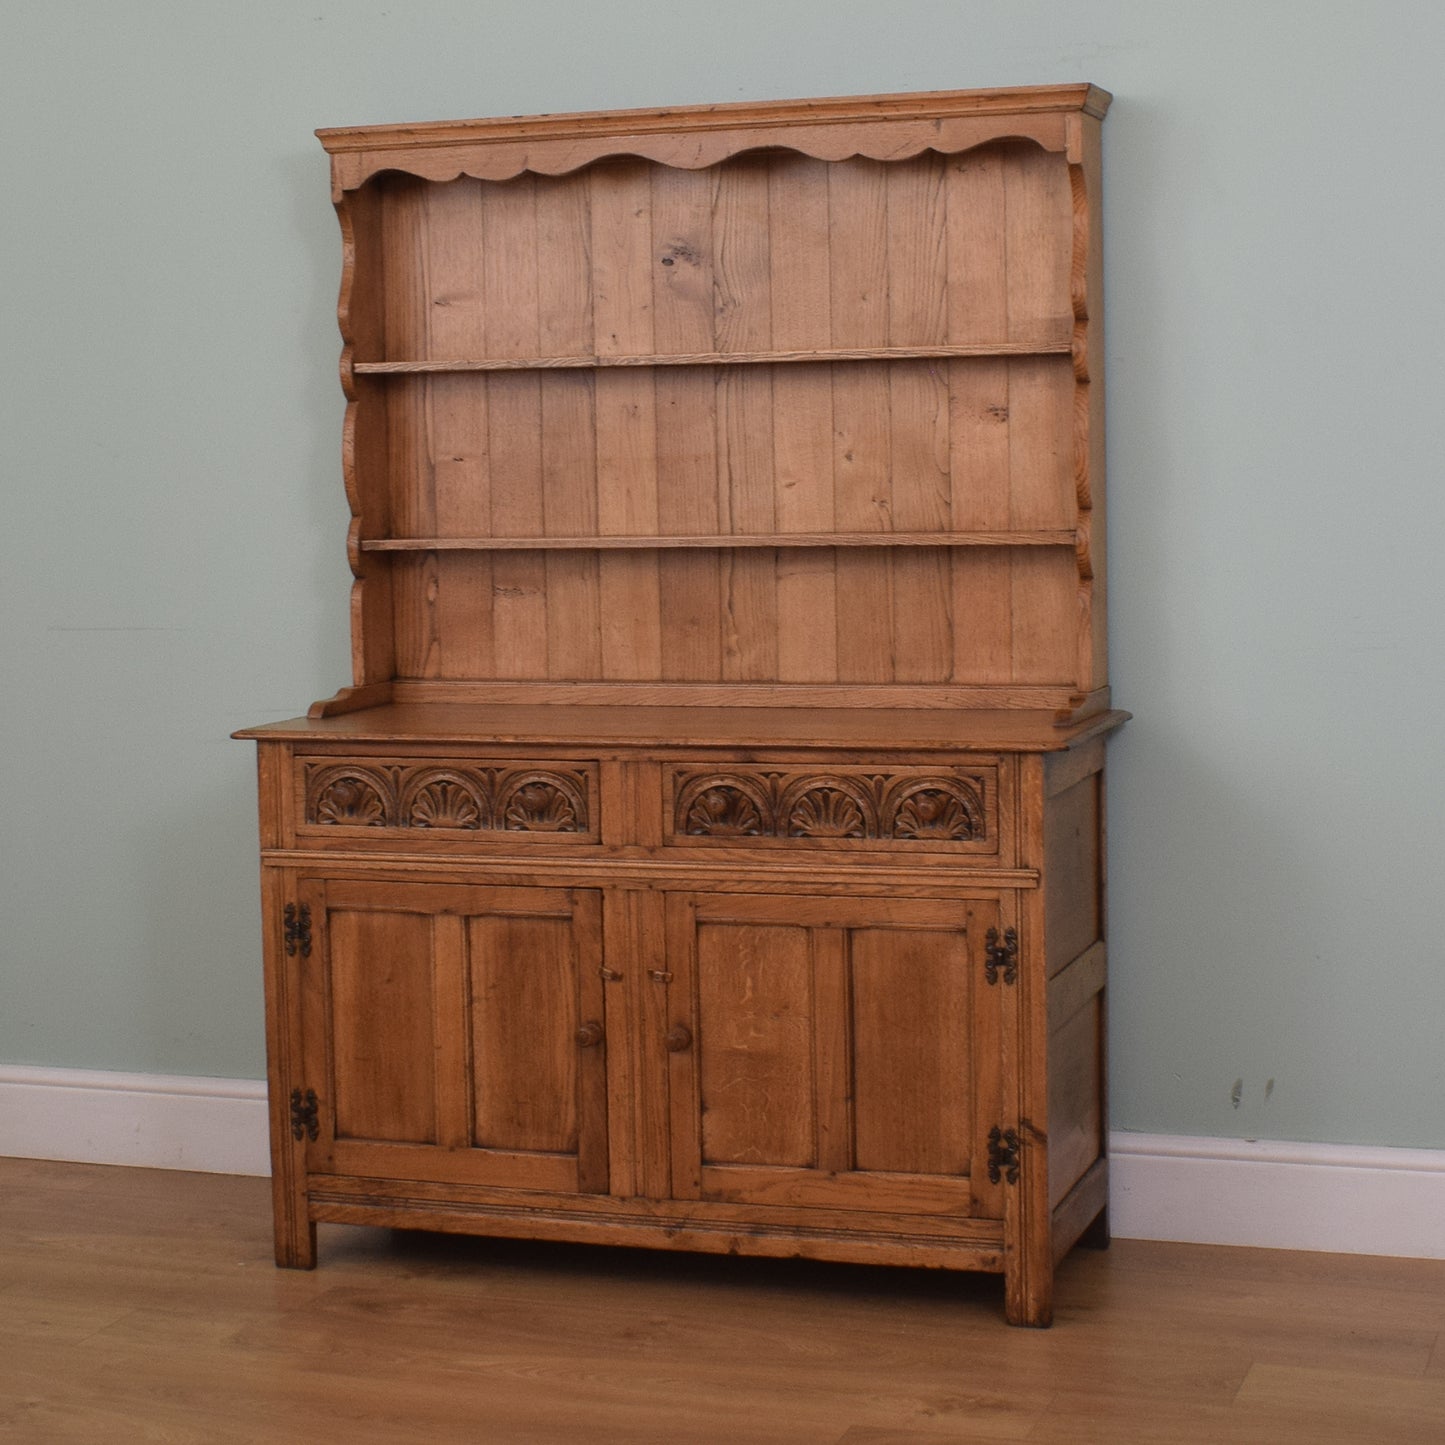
{"x": 679, "y": 1037}
{"x": 590, "y": 1034}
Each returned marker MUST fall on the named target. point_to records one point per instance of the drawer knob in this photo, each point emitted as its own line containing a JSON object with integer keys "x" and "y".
{"x": 589, "y": 1035}
{"x": 609, "y": 975}
{"x": 679, "y": 1038}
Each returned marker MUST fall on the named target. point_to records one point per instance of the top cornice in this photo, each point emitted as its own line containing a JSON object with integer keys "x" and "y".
{"x": 879, "y": 127}
{"x": 935, "y": 105}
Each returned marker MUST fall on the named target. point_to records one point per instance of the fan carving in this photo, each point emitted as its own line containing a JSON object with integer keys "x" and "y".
{"x": 541, "y": 806}
{"x": 444, "y": 802}
{"x": 723, "y": 811}
{"x": 878, "y": 807}
{"x": 351, "y": 800}
{"x": 461, "y": 799}
{"x": 826, "y": 813}
{"x": 951, "y": 814}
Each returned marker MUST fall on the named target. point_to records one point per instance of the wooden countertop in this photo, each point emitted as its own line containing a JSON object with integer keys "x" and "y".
{"x": 895, "y": 730}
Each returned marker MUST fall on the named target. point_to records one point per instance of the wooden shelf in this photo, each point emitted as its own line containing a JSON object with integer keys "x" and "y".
{"x": 716, "y": 358}
{"x": 1055, "y": 538}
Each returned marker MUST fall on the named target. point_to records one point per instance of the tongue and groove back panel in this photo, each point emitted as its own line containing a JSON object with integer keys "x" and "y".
{"x": 773, "y": 420}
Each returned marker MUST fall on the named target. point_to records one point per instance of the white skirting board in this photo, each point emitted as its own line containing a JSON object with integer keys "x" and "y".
{"x": 159, "y": 1121}
{"x": 1331, "y": 1197}
{"x": 1340, "y": 1198}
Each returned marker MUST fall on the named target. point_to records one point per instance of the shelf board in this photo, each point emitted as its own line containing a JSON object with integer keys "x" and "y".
{"x": 1055, "y": 538}
{"x": 715, "y": 358}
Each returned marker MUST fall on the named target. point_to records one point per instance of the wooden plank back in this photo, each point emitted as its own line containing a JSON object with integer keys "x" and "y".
{"x": 766, "y": 253}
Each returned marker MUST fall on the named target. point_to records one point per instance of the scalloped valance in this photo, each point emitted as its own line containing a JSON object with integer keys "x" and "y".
{"x": 692, "y": 138}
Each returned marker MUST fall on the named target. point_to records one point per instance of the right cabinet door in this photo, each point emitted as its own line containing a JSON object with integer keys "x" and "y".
{"x": 834, "y": 1052}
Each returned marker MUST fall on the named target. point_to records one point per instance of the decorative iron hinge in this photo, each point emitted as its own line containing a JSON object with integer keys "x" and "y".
{"x": 1001, "y": 955}
{"x": 305, "y": 1115}
{"x": 1003, "y": 1155}
{"x": 298, "y": 929}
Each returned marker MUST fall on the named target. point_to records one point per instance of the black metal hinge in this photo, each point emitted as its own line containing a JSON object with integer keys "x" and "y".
{"x": 1001, "y": 955}
{"x": 297, "y": 919}
{"x": 305, "y": 1114}
{"x": 1003, "y": 1155}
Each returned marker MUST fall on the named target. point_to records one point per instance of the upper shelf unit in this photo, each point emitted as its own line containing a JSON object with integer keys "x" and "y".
{"x": 865, "y": 330}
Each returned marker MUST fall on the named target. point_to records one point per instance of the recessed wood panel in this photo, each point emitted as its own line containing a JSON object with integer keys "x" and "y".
{"x": 466, "y": 263}
{"x": 912, "y": 1032}
{"x": 755, "y": 1044}
{"x": 910, "y": 446}
{"x": 1073, "y": 914}
{"x": 382, "y": 1011}
{"x": 860, "y": 615}
{"x": 1076, "y": 1093}
{"x": 522, "y": 994}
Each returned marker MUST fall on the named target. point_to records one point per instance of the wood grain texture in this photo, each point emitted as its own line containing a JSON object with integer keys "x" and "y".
{"x": 732, "y": 541}
{"x": 523, "y": 1006}
{"x": 783, "y": 730}
{"x": 912, "y": 1030}
{"x": 683, "y": 358}
{"x": 755, "y": 1025}
{"x": 380, "y": 1005}
{"x": 168, "y": 1324}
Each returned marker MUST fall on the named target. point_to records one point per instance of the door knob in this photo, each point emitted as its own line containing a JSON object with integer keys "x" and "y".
{"x": 679, "y": 1037}
{"x": 589, "y": 1034}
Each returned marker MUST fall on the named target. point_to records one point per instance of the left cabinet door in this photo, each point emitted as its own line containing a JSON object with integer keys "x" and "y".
{"x": 452, "y": 1033}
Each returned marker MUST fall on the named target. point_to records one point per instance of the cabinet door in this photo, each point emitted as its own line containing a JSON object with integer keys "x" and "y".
{"x": 830, "y": 1052}
{"x": 456, "y": 1034}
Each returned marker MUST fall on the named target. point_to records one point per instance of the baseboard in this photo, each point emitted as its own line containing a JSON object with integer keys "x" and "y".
{"x": 1331, "y": 1197}
{"x": 1338, "y": 1198}
{"x": 158, "y": 1121}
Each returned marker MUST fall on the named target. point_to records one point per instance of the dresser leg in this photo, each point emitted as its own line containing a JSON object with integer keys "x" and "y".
{"x": 1029, "y": 1302}
{"x": 295, "y": 1231}
{"x": 295, "y": 1243}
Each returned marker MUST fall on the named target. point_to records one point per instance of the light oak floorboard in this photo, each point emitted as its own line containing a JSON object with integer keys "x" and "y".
{"x": 140, "y": 1305}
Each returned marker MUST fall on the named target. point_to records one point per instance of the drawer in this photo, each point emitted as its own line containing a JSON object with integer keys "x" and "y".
{"x": 914, "y": 809}
{"x": 407, "y": 801}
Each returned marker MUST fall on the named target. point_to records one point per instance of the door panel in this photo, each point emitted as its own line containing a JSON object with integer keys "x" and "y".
{"x": 755, "y": 1010}
{"x": 444, "y": 1024}
{"x": 912, "y": 1092}
{"x": 383, "y": 1004}
{"x": 840, "y": 1051}
{"x": 524, "y": 1011}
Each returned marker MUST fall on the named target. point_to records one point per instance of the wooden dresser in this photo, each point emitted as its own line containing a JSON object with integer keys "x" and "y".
{"x": 709, "y": 851}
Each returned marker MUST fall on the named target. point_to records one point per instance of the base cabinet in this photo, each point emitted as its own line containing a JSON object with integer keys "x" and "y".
{"x": 878, "y": 1050}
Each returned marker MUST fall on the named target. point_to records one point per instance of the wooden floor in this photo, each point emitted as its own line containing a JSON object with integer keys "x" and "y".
{"x": 137, "y": 1305}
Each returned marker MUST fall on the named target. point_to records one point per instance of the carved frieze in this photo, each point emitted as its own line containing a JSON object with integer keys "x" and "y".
{"x": 947, "y": 806}
{"x": 448, "y": 798}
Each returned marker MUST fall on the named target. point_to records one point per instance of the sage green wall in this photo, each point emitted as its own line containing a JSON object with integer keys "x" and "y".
{"x": 173, "y": 518}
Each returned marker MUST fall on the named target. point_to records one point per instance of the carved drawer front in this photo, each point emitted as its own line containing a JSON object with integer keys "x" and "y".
{"x": 500, "y": 801}
{"x": 914, "y": 808}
